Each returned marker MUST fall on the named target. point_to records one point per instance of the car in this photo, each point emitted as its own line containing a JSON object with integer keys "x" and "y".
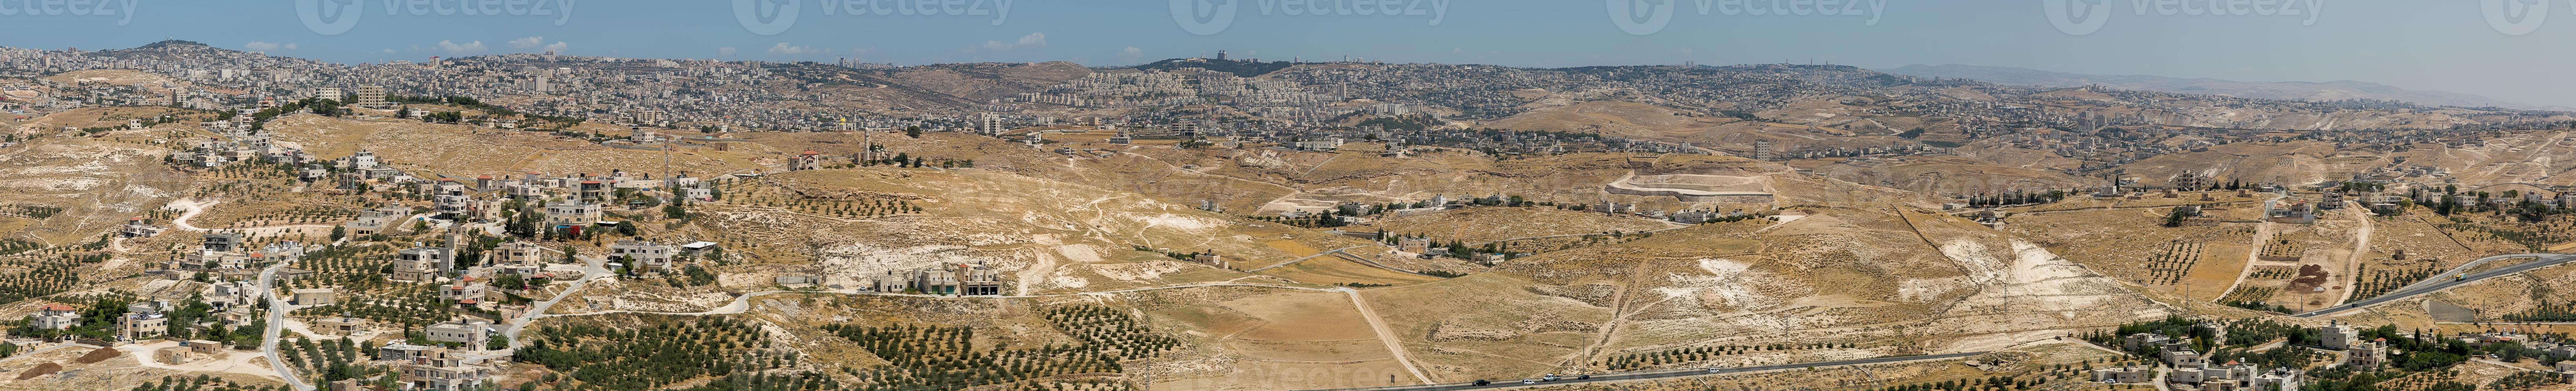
{"x": 1584, "y": 377}
{"x": 1550, "y": 377}
{"x": 1482, "y": 382}
{"x": 1528, "y": 381}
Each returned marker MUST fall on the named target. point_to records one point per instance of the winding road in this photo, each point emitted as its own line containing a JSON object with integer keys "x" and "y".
{"x": 593, "y": 268}
{"x": 277, "y": 309}
{"x": 2449, "y": 279}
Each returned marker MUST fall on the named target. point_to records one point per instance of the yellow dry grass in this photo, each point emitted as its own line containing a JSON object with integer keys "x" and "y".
{"x": 2220, "y": 265}
{"x": 1286, "y": 340}
{"x": 1334, "y": 270}
{"x": 1291, "y": 247}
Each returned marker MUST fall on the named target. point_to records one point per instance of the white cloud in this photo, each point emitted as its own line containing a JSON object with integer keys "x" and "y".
{"x": 1033, "y": 40}
{"x": 266, "y": 46}
{"x": 389, "y": 51}
{"x": 785, "y": 49}
{"x": 469, "y": 48}
{"x": 1131, "y": 53}
{"x": 538, "y": 43}
{"x": 725, "y": 51}
{"x": 290, "y": 46}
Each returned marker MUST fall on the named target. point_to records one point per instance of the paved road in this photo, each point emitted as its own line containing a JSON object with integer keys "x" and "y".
{"x": 277, "y": 309}
{"x": 1662, "y": 374}
{"x": 2449, "y": 279}
{"x": 593, "y": 268}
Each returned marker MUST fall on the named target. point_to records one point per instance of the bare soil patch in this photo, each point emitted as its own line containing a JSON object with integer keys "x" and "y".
{"x": 96, "y": 356}
{"x": 2310, "y": 277}
{"x": 40, "y": 370}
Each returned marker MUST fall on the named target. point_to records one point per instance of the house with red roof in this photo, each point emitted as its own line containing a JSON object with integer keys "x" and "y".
{"x": 55, "y": 317}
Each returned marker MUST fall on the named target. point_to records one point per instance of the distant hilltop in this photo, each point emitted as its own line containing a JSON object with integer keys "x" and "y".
{"x": 169, "y": 43}
{"x": 2313, "y": 91}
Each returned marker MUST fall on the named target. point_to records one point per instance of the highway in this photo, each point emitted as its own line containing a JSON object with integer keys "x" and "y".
{"x": 2449, "y": 279}
{"x": 1660, "y": 374}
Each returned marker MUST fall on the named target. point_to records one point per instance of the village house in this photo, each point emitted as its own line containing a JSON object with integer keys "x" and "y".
{"x": 1414, "y": 245}
{"x": 2178, "y": 354}
{"x": 313, "y": 297}
{"x": 807, "y": 160}
{"x": 374, "y": 221}
{"x": 2565, "y": 371}
{"x": 448, "y": 197}
{"x": 143, "y": 321}
{"x": 140, "y": 228}
{"x": 403, "y": 352}
{"x": 2235, "y": 376}
{"x": 946, "y": 279}
{"x": 2367, "y": 354}
{"x": 642, "y": 256}
{"x": 1211, "y": 259}
{"x": 2143, "y": 340}
{"x": 2336, "y": 336}
{"x": 225, "y": 294}
{"x": 571, "y": 214}
{"x": 339, "y": 325}
{"x": 2125, "y": 374}
{"x": 444, "y": 370}
{"x": 55, "y": 317}
{"x": 200, "y": 346}
{"x": 420, "y": 264}
{"x": 520, "y": 253}
{"x": 222, "y": 242}
{"x": 464, "y": 288}
{"x": 470, "y": 333}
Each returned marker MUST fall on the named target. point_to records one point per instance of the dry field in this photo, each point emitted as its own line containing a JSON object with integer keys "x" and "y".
{"x": 1949, "y": 176}
{"x": 1487, "y": 224}
{"x": 97, "y": 184}
{"x": 1335, "y": 270}
{"x": 2128, "y": 243}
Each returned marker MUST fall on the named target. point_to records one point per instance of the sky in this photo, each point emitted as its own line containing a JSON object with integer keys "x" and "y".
{"x": 2512, "y": 50}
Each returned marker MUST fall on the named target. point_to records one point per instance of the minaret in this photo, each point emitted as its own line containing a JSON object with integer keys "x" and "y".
{"x": 865, "y": 149}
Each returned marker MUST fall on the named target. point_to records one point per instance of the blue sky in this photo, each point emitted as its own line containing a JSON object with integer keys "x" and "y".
{"x": 2450, "y": 45}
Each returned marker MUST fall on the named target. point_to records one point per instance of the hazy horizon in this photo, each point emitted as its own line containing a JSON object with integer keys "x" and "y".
{"x": 2452, "y": 48}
